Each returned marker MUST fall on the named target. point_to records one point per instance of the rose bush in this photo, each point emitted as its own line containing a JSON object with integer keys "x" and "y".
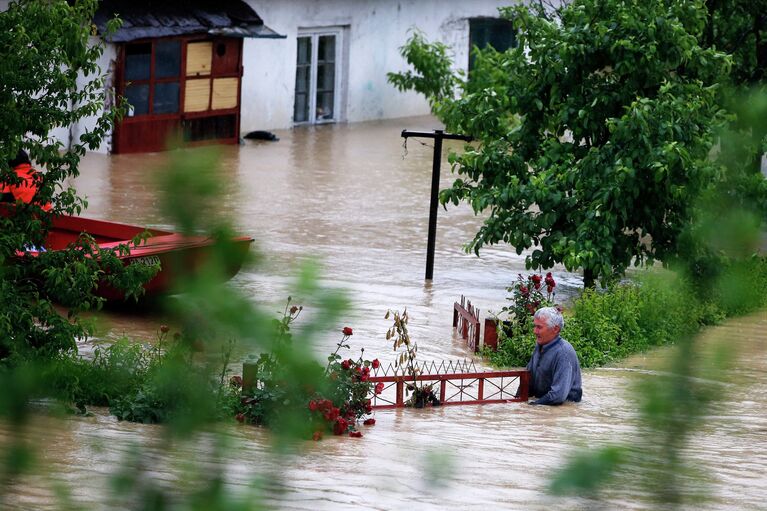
{"x": 335, "y": 408}
{"x": 527, "y": 296}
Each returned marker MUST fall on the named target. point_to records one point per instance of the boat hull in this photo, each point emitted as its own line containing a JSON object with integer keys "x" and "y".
{"x": 179, "y": 256}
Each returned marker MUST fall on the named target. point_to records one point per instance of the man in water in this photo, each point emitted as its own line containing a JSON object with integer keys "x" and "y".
{"x": 555, "y": 374}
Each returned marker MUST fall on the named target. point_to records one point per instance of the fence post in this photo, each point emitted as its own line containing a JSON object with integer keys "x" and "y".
{"x": 249, "y": 376}
{"x": 491, "y": 334}
{"x": 524, "y": 386}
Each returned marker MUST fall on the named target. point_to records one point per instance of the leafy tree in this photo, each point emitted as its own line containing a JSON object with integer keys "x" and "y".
{"x": 49, "y": 79}
{"x": 594, "y": 134}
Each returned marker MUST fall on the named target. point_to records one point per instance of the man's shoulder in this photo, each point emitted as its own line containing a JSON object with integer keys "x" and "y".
{"x": 566, "y": 346}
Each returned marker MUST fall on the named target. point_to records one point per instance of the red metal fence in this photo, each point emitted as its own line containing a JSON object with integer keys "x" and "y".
{"x": 453, "y": 383}
{"x": 466, "y": 321}
{"x": 455, "y": 388}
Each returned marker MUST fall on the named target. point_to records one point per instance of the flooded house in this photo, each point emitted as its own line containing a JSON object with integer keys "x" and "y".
{"x": 212, "y": 71}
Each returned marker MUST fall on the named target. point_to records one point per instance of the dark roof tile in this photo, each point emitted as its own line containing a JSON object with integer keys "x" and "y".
{"x": 152, "y": 18}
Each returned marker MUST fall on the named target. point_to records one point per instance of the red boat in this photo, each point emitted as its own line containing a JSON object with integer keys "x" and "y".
{"x": 175, "y": 252}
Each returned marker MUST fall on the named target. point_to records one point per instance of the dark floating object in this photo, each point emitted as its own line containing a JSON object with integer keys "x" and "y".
{"x": 262, "y": 135}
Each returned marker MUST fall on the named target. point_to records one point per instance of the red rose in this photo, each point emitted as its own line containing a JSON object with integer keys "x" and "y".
{"x": 235, "y": 381}
{"x": 340, "y": 426}
{"x": 355, "y": 434}
{"x": 536, "y": 281}
{"x": 313, "y": 405}
{"x": 369, "y": 422}
{"x": 379, "y": 387}
{"x": 523, "y": 290}
{"x": 240, "y": 417}
{"x": 317, "y": 436}
{"x": 348, "y": 330}
{"x": 375, "y": 363}
{"x": 346, "y": 364}
{"x": 164, "y": 329}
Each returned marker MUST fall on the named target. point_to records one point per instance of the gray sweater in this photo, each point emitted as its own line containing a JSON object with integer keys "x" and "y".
{"x": 555, "y": 374}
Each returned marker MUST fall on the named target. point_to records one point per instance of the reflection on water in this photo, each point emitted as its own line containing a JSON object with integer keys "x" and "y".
{"x": 355, "y": 199}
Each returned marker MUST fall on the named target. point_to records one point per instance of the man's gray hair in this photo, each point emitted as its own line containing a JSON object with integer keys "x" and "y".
{"x": 551, "y": 316}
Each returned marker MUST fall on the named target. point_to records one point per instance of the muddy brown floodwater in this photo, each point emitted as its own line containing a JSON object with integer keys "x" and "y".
{"x": 351, "y": 197}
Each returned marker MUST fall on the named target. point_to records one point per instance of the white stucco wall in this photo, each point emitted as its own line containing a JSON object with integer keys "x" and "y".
{"x": 66, "y": 134}
{"x": 376, "y": 30}
{"x": 72, "y": 134}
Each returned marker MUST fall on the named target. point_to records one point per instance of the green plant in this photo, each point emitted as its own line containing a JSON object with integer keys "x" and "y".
{"x": 166, "y": 382}
{"x": 423, "y": 395}
{"x": 336, "y": 404}
{"x": 115, "y": 370}
{"x": 611, "y": 324}
{"x": 527, "y": 296}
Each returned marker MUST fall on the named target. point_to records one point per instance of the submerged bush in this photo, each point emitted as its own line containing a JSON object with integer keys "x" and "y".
{"x": 632, "y": 317}
{"x": 116, "y": 370}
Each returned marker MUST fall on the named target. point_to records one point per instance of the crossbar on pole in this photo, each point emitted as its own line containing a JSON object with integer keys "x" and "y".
{"x": 438, "y": 136}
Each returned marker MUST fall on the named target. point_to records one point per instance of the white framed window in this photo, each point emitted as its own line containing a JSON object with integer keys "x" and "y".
{"x": 319, "y": 74}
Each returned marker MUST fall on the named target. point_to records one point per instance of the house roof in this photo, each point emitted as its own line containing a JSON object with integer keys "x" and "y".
{"x": 143, "y": 19}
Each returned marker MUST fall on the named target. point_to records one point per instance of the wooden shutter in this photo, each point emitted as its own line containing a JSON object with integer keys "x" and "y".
{"x": 199, "y": 58}
{"x": 197, "y": 95}
{"x": 224, "y": 93}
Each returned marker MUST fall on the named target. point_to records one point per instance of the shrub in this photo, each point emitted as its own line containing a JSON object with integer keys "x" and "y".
{"x": 604, "y": 326}
{"x": 339, "y": 401}
{"x": 527, "y": 296}
{"x": 607, "y": 325}
{"x": 174, "y": 386}
{"x": 115, "y": 370}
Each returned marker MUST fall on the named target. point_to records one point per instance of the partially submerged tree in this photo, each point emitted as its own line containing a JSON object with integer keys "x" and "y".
{"x": 44, "y": 47}
{"x": 594, "y": 134}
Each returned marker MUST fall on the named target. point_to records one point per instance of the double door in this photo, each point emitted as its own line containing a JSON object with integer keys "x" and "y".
{"x": 317, "y": 95}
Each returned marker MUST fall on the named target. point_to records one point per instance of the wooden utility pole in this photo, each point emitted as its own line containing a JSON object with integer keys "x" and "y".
{"x": 438, "y": 136}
